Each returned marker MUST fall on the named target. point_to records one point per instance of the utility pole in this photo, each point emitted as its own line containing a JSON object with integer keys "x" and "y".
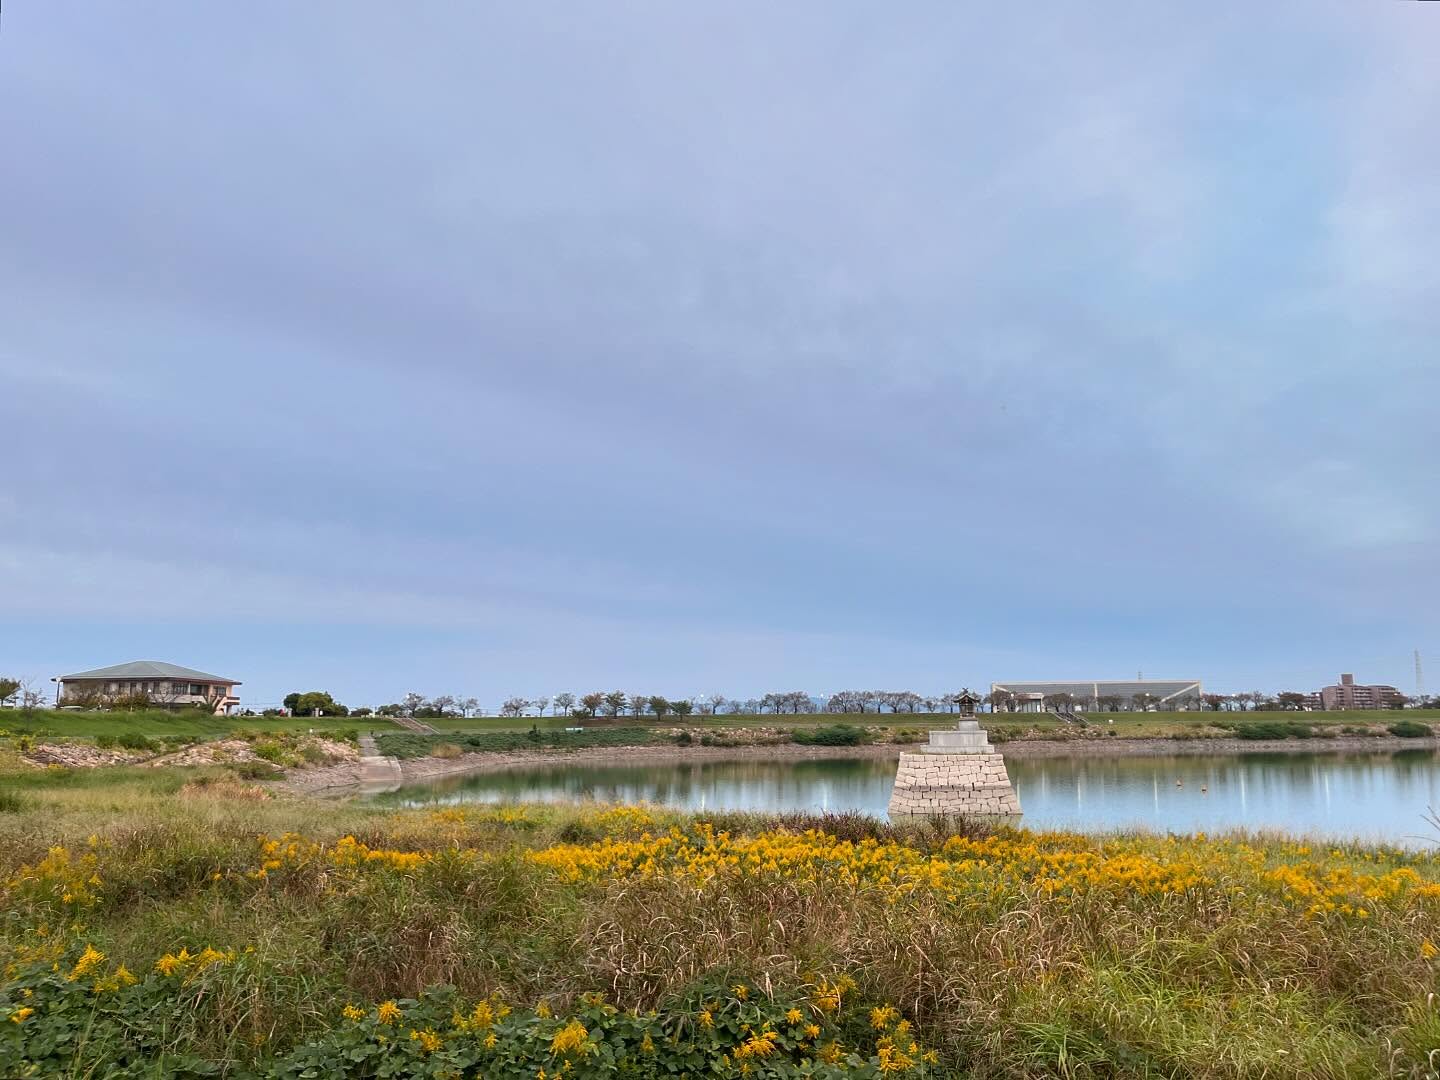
{"x": 1419, "y": 676}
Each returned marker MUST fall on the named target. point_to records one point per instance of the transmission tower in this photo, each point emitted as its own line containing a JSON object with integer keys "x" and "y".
{"x": 1419, "y": 676}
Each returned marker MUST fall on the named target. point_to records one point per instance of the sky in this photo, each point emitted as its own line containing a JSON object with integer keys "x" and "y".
{"x": 501, "y": 350}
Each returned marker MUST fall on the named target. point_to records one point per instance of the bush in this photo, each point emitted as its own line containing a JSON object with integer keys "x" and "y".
{"x": 105, "y": 742}
{"x": 907, "y": 735}
{"x": 1273, "y": 729}
{"x": 271, "y": 751}
{"x": 684, "y": 739}
{"x": 133, "y": 740}
{"x": 447, "y": 750}
{"x": 10, "y": 803}
{"x": 256, "y": 770}
{"x": 833, "y": 735}
{"x": 1410, "y": 729}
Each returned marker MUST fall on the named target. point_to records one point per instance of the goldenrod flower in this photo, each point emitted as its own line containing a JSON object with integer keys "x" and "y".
{"x": 388, "y": 1013}
{"x": 353, "y": 1012}
{"x": 19, "y": 1016}
{"x": 569, "y": 1039}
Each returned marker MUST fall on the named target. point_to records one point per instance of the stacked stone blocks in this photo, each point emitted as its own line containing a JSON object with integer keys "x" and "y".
{"x": 959, "y": 772}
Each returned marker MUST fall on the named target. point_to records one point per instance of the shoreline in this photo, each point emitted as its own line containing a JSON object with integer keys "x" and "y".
{"x": 346, "y": 778}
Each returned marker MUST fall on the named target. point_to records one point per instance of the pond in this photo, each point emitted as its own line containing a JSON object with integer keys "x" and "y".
{"x": 1379, "y": 796}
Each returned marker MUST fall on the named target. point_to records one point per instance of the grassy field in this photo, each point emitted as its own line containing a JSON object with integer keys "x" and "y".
{"x": 185, "y": 923}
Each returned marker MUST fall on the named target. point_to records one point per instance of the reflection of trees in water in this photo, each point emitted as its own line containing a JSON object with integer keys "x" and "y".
{"x": 1359, "y": 792}
{"x": 760, "y": 784}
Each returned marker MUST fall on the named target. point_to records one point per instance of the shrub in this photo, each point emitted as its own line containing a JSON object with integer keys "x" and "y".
{"x": 271, "y": 751}
{"x": 1410, "y": 729}
{"x": 10, "y": 803}
{"x": 1273, "y": 729}
{"x": 133, "y": 740}
{"x": 256, "y": 770}
{"x": 448, "y": 750}
{"x": 684, "y": 739}
{"x": 832, "y": 735}
{"x": 907, "y": 735}
{"x": 105, "y": 742}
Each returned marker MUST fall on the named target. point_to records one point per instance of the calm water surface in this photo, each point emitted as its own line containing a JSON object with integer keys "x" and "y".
{"x": 1370, "y": 795}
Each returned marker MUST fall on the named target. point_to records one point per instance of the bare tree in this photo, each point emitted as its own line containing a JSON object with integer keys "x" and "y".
{"x": 444, "y": 705}
{"x": 541, "y": 704}
{"x": 31, "y": 696}
{"x": 514, "y": 706}
{"x": 590, "y": 703}
{"x": 717, "y": 702}
{"x": 412, "y": 701}
{"x": 564, "y": 703}
{"x": 638, "y": 704}
{"x": 468, "y": 705}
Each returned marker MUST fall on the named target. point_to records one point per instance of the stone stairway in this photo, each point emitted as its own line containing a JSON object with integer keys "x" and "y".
{"x": 417, "y": 726}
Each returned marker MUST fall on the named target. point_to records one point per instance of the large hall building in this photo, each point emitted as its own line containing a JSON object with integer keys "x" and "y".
{"x": 1097, "y": 695}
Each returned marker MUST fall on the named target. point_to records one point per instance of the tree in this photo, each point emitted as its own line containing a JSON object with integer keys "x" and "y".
{"x": 292, "y": 701}
{"x": 1141, "y": 701}
{"x": 315, "y": 703}
{"x": 717, "y": 702}
{"x": 514, "y": 706}
{"x": 615, "y": 702}
{"x": 412, "y": 701}
{"x": 1002, "y": 701}
{"x": 1214, "y": 702}
{"x": 846, "y": 701}
{"x": 1059, "y": 700}
{"x": 468, "y": 705}
{"x": 590, "y": 703}
{"x": 564, "y": 703}
{"x": 444, "y": 705}
{"x": 638, "y": 704}
{"x": 9, "y": 687}
{"x": 681, "y": 708}
{"x": 31, "y": 697}
{"x": 659, "y": 705}
{"x": 1291, "y": 700}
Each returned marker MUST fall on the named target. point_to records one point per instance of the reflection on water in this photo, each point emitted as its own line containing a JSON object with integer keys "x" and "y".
{"x": 1372, "y": 795}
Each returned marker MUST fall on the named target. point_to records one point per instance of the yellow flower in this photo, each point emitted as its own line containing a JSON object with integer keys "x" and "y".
{"x": 543, "y": 1011}
{"x": 569, "y": 1039}
{"x": 167, "y": 964}
{"x": 353, "y": 1012}
{"x": 741, "y": 991}
{"x": 882, "y": 1018}
{"x": 88, "y": 962}
{"x": 19, "y": 1016}
{"x": 706, "y": 1020}
{"x": 794, "y": 1016}
{"x": 812, "y": 1031}
{"x": 388, "y": 1012}
{"x": 1428, "y": 951}
{"x": 647, "y": 1044}
{"x": 428, "y": 1040}
{"x": 490, "y": 1041}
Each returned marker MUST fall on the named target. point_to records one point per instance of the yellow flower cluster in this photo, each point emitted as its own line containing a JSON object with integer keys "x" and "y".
{"x": 187, "y": 964}
{"x": 573, "y": 1038}
{"x": 1057, "y": 865}
{"x": 72, "y": 880}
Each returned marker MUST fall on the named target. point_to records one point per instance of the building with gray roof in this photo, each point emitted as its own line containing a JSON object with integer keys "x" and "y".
{"x": 165, "y": 684}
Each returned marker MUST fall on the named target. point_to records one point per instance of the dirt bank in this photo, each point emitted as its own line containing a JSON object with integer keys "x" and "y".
{"x": 345, "y": 778}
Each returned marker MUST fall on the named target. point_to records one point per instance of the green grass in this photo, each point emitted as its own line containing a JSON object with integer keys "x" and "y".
{"x": 1013, "y": 954}
{"x": 157, "y": 723}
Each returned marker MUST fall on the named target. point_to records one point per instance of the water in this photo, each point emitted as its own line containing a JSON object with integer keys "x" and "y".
{"x": 1377, "y": 796}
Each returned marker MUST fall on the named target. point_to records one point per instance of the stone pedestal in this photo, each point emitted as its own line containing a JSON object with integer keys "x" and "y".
{"x": 959, "y": 772}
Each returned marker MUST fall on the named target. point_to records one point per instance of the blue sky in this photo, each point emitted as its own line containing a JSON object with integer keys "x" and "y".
{"x": 680, "y": 348}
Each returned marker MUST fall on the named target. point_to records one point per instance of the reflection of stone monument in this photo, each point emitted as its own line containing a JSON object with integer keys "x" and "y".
{"x": 958, "y": 773}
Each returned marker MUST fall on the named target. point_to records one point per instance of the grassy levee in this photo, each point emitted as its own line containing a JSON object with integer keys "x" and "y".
{"x": 1009, "y": 954}
{"x": 158, "y": 723}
